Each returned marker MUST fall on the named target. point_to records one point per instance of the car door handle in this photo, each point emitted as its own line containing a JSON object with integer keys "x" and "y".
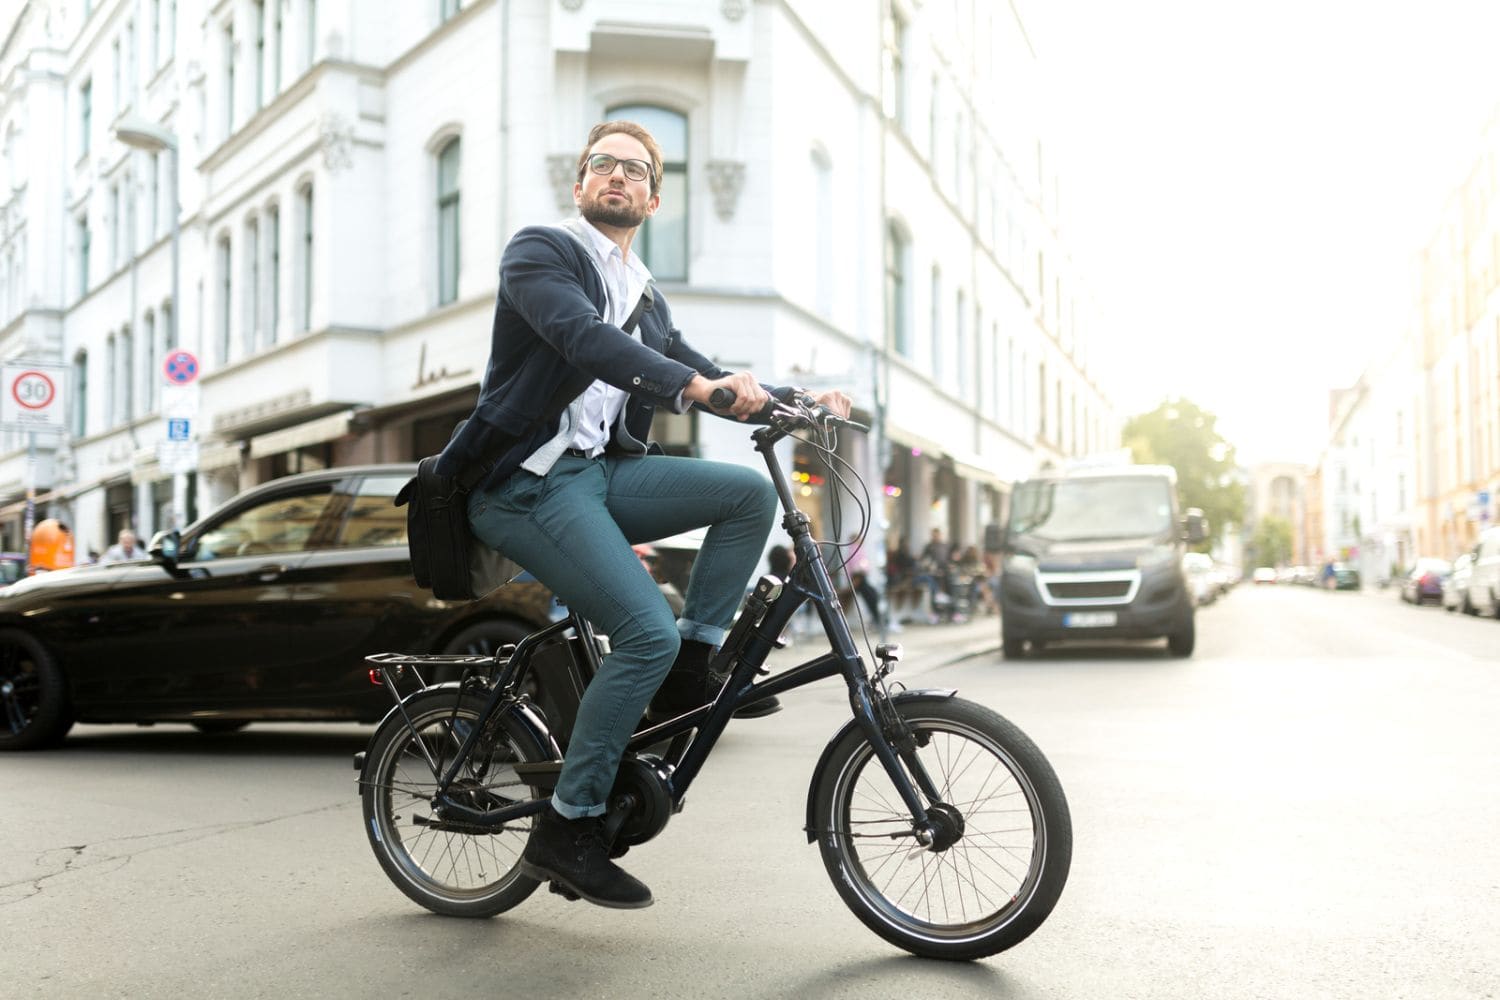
{"x": 268, "y": 573}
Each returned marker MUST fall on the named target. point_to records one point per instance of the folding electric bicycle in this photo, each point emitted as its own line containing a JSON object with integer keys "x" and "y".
{"x": 941, "y": 825}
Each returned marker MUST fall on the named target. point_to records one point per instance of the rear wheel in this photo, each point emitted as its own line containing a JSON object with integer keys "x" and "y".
{"x": 479, "y": 639}
{"x": 456, "y": 873}
{"x": 1004, "y": 845}
{"x": 35, "y": 709}
{"x": 1012, "y": 646}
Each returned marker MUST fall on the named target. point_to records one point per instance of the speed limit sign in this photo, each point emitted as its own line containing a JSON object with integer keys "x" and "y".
{"x": 33, "y": 396}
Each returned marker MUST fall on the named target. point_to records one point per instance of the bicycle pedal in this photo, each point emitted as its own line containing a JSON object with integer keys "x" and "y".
{"x": 563, "y": 891}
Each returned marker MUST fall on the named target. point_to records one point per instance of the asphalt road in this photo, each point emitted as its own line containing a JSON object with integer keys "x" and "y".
{"x": 1308, "y": 807}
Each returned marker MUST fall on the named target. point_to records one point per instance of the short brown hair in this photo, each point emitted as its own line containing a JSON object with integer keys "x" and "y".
{"x": 636, "y": 132}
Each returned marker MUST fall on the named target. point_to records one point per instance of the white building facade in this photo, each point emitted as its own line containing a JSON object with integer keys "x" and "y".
{"x": 855, "y": 195}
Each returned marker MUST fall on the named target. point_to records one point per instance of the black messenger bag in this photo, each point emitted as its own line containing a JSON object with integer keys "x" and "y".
{"x": 446, "y": 558}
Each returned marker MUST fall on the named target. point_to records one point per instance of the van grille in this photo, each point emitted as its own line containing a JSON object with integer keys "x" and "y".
{"x": 1091, "y": 588}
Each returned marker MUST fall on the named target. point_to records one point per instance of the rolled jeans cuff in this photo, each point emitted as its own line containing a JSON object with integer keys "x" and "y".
{"x": 699, "y": 632}
{"x": 569, "y": 811}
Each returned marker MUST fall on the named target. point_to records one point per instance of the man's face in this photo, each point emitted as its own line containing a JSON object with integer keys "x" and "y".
{"x": 127, "y": 539}
{"x": 614, "y": 199}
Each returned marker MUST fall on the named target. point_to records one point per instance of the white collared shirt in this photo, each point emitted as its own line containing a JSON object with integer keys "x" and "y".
{"x": 624, "y": 281}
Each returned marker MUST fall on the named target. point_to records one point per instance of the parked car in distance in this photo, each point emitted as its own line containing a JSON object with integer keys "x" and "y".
{"x": 1484, "y": 576}
{"x": 262, "y": 611}
{"x": 1424, "y": 581}
{"x": 1343, "y": 577}
{"x": 1456, "y": 586}
{"x": 1263, "y": 574}
{"x": 12, "y": 567}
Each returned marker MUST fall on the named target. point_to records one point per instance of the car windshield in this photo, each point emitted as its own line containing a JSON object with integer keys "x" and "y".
{"x": 1092, "y": 509}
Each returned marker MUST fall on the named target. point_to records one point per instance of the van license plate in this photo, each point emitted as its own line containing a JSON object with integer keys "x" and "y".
{"x": 1089, "y": 619}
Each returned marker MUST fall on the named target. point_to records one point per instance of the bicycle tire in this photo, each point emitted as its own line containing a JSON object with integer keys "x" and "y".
{"x": 1011, "y": 875}
{"x": 452, "y": 873}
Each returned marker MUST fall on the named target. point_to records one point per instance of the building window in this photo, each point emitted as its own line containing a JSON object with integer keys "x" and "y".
{"x": 447, "y": 210}
{"x": 229, "y": 68}
{"x": 132, "y": 73}
{"x": 960, "y": 366}
{"x": 258, "y": 15}
{"x": 226, "y": 282}
{"x": 897, "y": 257}
{"x": 127, "y": 374}
{"x": 311, "y": 10}
{"x": 116, "y": 224}
{"x": 79, "y": 417}
{"x": 893, "y": 64}
{"x": 151, "y": 360}
{"x": 663, "y": 240}
{"x": 277, "y": 7}
{"x": 252, "y": 286}
{"x": 168, "y": 330}
{"x": 273, "y": 272}
{"x": 117, "y": 75}
{"x": 171, "y": 28}
{"x": 154, "y": 41}
{"x": 305, "y": 279}
{"x": 822, "y": 191}
{"x": 153, "y": 197}
{"x": 110, "y": 374}
{"x": 84, "y": 237}
{"x": 936, "y": 343}
{"x": 85, "y": 116}
{"x": 446, "y": 9}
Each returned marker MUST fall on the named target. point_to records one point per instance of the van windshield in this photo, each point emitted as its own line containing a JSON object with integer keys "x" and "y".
{"x": 1092, "y": 509}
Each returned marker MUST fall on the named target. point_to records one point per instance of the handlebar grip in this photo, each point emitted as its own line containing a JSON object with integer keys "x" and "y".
{"x": 721, "y": 398}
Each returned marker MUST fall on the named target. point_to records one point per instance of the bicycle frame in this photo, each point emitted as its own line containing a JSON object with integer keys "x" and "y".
{"x": 755, "y": 634}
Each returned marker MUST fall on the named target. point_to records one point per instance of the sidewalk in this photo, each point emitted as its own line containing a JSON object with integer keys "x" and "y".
{"x": 923, "y": 646}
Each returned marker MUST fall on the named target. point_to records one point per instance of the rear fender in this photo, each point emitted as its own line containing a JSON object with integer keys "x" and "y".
{"x": 916, "y": 694}
{"x": 522, "y": 711}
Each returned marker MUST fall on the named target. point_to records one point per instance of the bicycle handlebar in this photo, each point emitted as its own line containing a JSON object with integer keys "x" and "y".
{"x": 796, "y": 408}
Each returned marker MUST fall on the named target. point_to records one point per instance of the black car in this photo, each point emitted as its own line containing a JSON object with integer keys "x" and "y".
{"x": 265, "y": 612}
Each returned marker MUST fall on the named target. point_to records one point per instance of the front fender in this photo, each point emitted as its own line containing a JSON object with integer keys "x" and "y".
{"x": 530, "y": 719}
{"x": 916, "y": 694}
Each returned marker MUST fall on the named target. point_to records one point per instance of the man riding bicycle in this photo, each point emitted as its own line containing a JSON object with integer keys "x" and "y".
{"x": 561, "y": 425}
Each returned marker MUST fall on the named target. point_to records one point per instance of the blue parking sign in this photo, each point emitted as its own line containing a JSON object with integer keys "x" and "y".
{"x": 177, "y": 429}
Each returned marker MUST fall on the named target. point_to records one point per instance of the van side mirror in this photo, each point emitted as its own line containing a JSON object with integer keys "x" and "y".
{"x": 1194, "y": 526}
{"x": 164, "y": 547}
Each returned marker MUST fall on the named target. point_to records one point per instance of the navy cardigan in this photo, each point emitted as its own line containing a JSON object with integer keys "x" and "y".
{"x": 548, "y": 344}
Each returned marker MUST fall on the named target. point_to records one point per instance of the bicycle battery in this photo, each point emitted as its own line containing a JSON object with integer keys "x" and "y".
{"x": 561, "y": 672}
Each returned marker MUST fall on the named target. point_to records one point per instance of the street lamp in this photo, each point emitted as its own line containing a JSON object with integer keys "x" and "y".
{"x": 141, "y": 133}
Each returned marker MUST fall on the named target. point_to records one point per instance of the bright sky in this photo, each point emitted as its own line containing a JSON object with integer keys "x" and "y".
{"x": 1250, "y": 184}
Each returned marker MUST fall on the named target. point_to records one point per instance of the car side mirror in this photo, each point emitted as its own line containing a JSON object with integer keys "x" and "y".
{"x": 164, "y": 548}
{"x": 1194, "y": 526}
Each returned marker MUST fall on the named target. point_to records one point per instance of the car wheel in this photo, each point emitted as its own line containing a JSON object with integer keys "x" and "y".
{"x": 1468, "y": 606}
{"x": 214, "y": 727}
{"x": 479, "y": 639}
{"x": 1012, "y": 647}
{"x": 1181, "y": 642}
{"x": 35, "y": 710}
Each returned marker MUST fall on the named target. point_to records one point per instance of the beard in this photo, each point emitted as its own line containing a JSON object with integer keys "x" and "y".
{"x": 621, "y": 215}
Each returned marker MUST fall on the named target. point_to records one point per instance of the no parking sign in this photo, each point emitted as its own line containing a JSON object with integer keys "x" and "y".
{"x": 180, "y": 367}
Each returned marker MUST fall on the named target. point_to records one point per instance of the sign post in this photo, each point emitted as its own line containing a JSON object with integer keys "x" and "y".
{"x": 33, "y": 399}
{"x": 177, "y": 452}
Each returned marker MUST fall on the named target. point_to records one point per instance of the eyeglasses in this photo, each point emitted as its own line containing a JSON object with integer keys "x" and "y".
{"x": 635, "y": 170}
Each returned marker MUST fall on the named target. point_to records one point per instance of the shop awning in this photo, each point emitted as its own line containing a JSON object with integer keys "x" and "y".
{"x": 302, "y": 435}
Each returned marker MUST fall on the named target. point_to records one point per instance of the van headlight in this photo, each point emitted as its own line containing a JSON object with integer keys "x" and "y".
{"x": 1020, "y": 562}
{"x": 1155, "y": 556}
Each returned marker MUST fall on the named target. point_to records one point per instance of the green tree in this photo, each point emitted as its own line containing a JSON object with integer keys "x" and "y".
{"x": 1181, "y": 434}
{"x": 1272, "y": 543}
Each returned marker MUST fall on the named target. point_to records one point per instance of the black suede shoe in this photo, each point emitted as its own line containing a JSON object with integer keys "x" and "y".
{"x": 571, "y": 853}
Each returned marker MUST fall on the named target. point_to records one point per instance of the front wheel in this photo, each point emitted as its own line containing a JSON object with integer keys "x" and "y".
{"x": 455, "y": 872}
{"x": 1005, "y": 844}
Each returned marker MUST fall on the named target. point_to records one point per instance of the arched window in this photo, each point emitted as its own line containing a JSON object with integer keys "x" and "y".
{"x": 79, "y": 422}
{"x": 822, "y": 191}
{"x": 663, "y": 240}
{"x": 151, "y": 360}
{"x": 127, "y": 374}
{"x": 226, "y": 288}
{"x": 897, "y": 284}
{"x": 447, "y": 213}
{"x": 305, "y": 257}
{"x": 109, "y": 381}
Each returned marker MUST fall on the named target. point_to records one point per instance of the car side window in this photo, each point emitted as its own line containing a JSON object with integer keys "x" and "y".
{"x": 280, "y": 524}
{"x": 374, "y": 518}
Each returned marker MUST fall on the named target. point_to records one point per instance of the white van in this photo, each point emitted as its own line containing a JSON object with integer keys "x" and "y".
{"x": 1484, "y": 578}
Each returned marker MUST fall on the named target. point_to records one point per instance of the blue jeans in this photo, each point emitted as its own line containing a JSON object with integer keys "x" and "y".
{"x": 573, "y": 530}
